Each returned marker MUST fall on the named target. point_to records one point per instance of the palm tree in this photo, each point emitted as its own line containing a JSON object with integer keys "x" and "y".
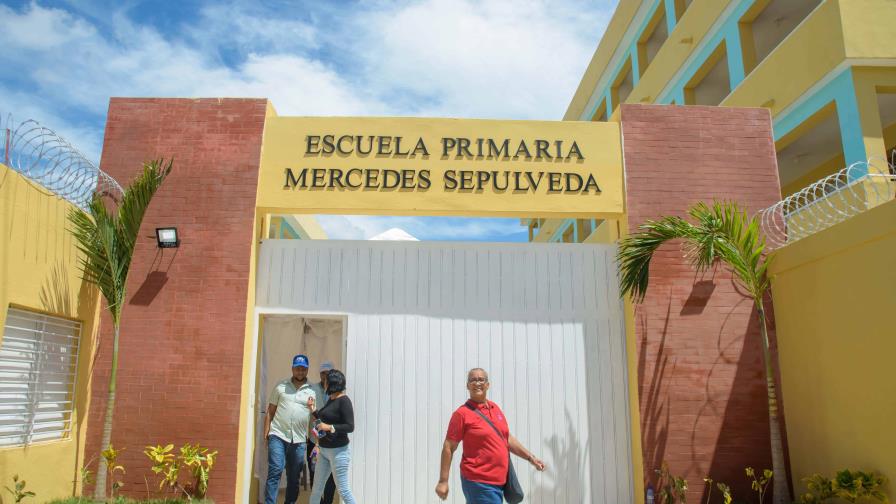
{"x": 722, "y": 233}
{"x": 106, "y": 240}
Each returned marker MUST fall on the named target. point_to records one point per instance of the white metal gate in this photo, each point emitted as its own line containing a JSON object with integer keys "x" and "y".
{"x": 545, "y": 320}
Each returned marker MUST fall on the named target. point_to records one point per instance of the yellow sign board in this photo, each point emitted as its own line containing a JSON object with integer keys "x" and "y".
{"x": 422, "y": 166}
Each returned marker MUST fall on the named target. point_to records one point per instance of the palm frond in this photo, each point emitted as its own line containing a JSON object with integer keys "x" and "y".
{"x": 106, "y": 239}
{"x": 95, "y": 238}
{"x": 636, "y": 251}
{"x": 136, "y": 200}
{"x": 722, "y": 232}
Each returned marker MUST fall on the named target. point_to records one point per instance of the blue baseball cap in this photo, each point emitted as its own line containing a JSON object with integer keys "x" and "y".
{"x": 300, "y": 361}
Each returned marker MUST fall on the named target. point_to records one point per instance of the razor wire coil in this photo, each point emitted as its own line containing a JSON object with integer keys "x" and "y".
{"x": 47, "y": 159}
{"x": 833, "y": 199}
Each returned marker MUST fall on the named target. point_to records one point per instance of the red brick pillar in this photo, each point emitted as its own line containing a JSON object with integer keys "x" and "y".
{"x": 700, "y": 376}
{"x": 183, "y": 325}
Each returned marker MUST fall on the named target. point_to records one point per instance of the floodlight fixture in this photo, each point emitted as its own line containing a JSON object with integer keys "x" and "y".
{"x": 167, "y": 237}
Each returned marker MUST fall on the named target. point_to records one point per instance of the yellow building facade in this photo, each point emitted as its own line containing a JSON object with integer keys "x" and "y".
{"x": 825, "y": 70}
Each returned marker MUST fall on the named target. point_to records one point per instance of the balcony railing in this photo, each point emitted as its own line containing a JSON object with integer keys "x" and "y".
{"x": 833, "y": 199}
{"x": 47, "y": 159}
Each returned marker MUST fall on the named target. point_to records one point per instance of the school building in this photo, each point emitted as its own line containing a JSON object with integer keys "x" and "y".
{"x": 823, "y": 69}
{"x": 785, "y": 106}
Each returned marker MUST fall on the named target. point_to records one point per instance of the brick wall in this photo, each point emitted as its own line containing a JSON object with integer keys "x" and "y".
{"x": 700, "y": 375}
{"x": 183, "y": 326}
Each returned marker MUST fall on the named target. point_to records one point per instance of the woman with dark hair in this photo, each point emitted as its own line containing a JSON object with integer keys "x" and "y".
{"x": 336, "y": 420}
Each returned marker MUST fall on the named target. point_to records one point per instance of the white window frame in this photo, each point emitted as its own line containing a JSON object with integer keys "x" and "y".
{"x": 39, "y": 357}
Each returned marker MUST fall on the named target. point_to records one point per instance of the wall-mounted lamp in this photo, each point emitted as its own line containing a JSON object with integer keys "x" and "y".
{"x": 167, "y": 237}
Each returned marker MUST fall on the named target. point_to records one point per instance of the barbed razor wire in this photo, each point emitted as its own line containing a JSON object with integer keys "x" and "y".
{"x": 855, "y": 189}
{"x": 47, "y": 159}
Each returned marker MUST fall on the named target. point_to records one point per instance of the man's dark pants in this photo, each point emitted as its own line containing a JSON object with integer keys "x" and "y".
{"x": 330, "y": 489}
{"x": 283, "y": 454}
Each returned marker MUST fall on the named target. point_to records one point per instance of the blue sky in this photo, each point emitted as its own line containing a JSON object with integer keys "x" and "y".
{"x": 506, "y": 59}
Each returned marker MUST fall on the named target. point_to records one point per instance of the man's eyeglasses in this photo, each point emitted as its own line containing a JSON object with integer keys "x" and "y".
{"x": 477, "y": 380}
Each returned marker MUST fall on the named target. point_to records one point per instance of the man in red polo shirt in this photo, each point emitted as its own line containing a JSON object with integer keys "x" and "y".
{"x": 485, "y": 459}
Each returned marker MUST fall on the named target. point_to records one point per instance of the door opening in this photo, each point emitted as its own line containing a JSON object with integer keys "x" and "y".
{"x": 282, "y": 336}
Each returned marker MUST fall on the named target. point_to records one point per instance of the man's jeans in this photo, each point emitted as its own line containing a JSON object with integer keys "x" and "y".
{"x": 481, "y": 493}
{"x": 280, "y": 454}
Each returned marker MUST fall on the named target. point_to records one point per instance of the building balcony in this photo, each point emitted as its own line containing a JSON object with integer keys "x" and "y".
{"x": 836, "y": 35}
{"x": 830, "y": 88}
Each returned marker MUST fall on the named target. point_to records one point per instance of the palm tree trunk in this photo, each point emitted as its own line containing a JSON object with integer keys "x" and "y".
{"x": 779, "y": 481}
{"x": 103, "y": 469}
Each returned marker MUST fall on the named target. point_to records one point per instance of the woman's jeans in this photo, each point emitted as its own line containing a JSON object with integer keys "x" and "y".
{"x": 335, "y": 461}
{"x": 290, "y": 455}
{"x": 330, "y": 489}
{"x": 481, "y": 493}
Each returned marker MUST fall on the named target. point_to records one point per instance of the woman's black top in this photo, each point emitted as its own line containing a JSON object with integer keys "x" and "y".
{"x": 338, "y": 413}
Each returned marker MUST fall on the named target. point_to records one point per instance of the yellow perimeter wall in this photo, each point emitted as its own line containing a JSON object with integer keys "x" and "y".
{"x": 39, "y": 272}
{"x": 835, "y": 297}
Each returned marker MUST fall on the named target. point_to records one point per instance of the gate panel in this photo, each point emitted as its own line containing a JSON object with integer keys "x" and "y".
{"x": 545, "y": 320}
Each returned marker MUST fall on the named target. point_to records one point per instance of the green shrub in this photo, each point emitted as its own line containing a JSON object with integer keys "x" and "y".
{"x": 671, "y": 489}
{"x": 759, "y": 483}
{"x": 724, "y": 489}
{"x": 18, "y": 490}
{"x": 110, "y": 455}
{"x": 195, "y": 459}
{"x": 851, "y": 486}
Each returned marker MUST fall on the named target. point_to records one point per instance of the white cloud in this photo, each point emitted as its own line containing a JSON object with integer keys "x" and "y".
{"x": 296, "y": 86}
{"x": 241, "y": 27}
{"x": 142, "y": 62}
{"x": 503, "y": 58}
{"x": 506, "y": 58}
{"x": 44, "y": 30}
{"x": 456, "y": 58}
{"x": 362, "y": 227}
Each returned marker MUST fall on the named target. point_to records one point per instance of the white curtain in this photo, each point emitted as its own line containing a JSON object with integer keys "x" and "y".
{"x": 284, "y": 336}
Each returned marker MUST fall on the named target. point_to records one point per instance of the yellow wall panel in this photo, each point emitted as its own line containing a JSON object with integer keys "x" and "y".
{"x": 868, "y": 29}
{"x": 834, "y": 297}
{"x": 39, "y": 272}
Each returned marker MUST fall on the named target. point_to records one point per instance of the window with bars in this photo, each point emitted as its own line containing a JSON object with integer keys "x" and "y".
{"x": 38, "y": 365}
